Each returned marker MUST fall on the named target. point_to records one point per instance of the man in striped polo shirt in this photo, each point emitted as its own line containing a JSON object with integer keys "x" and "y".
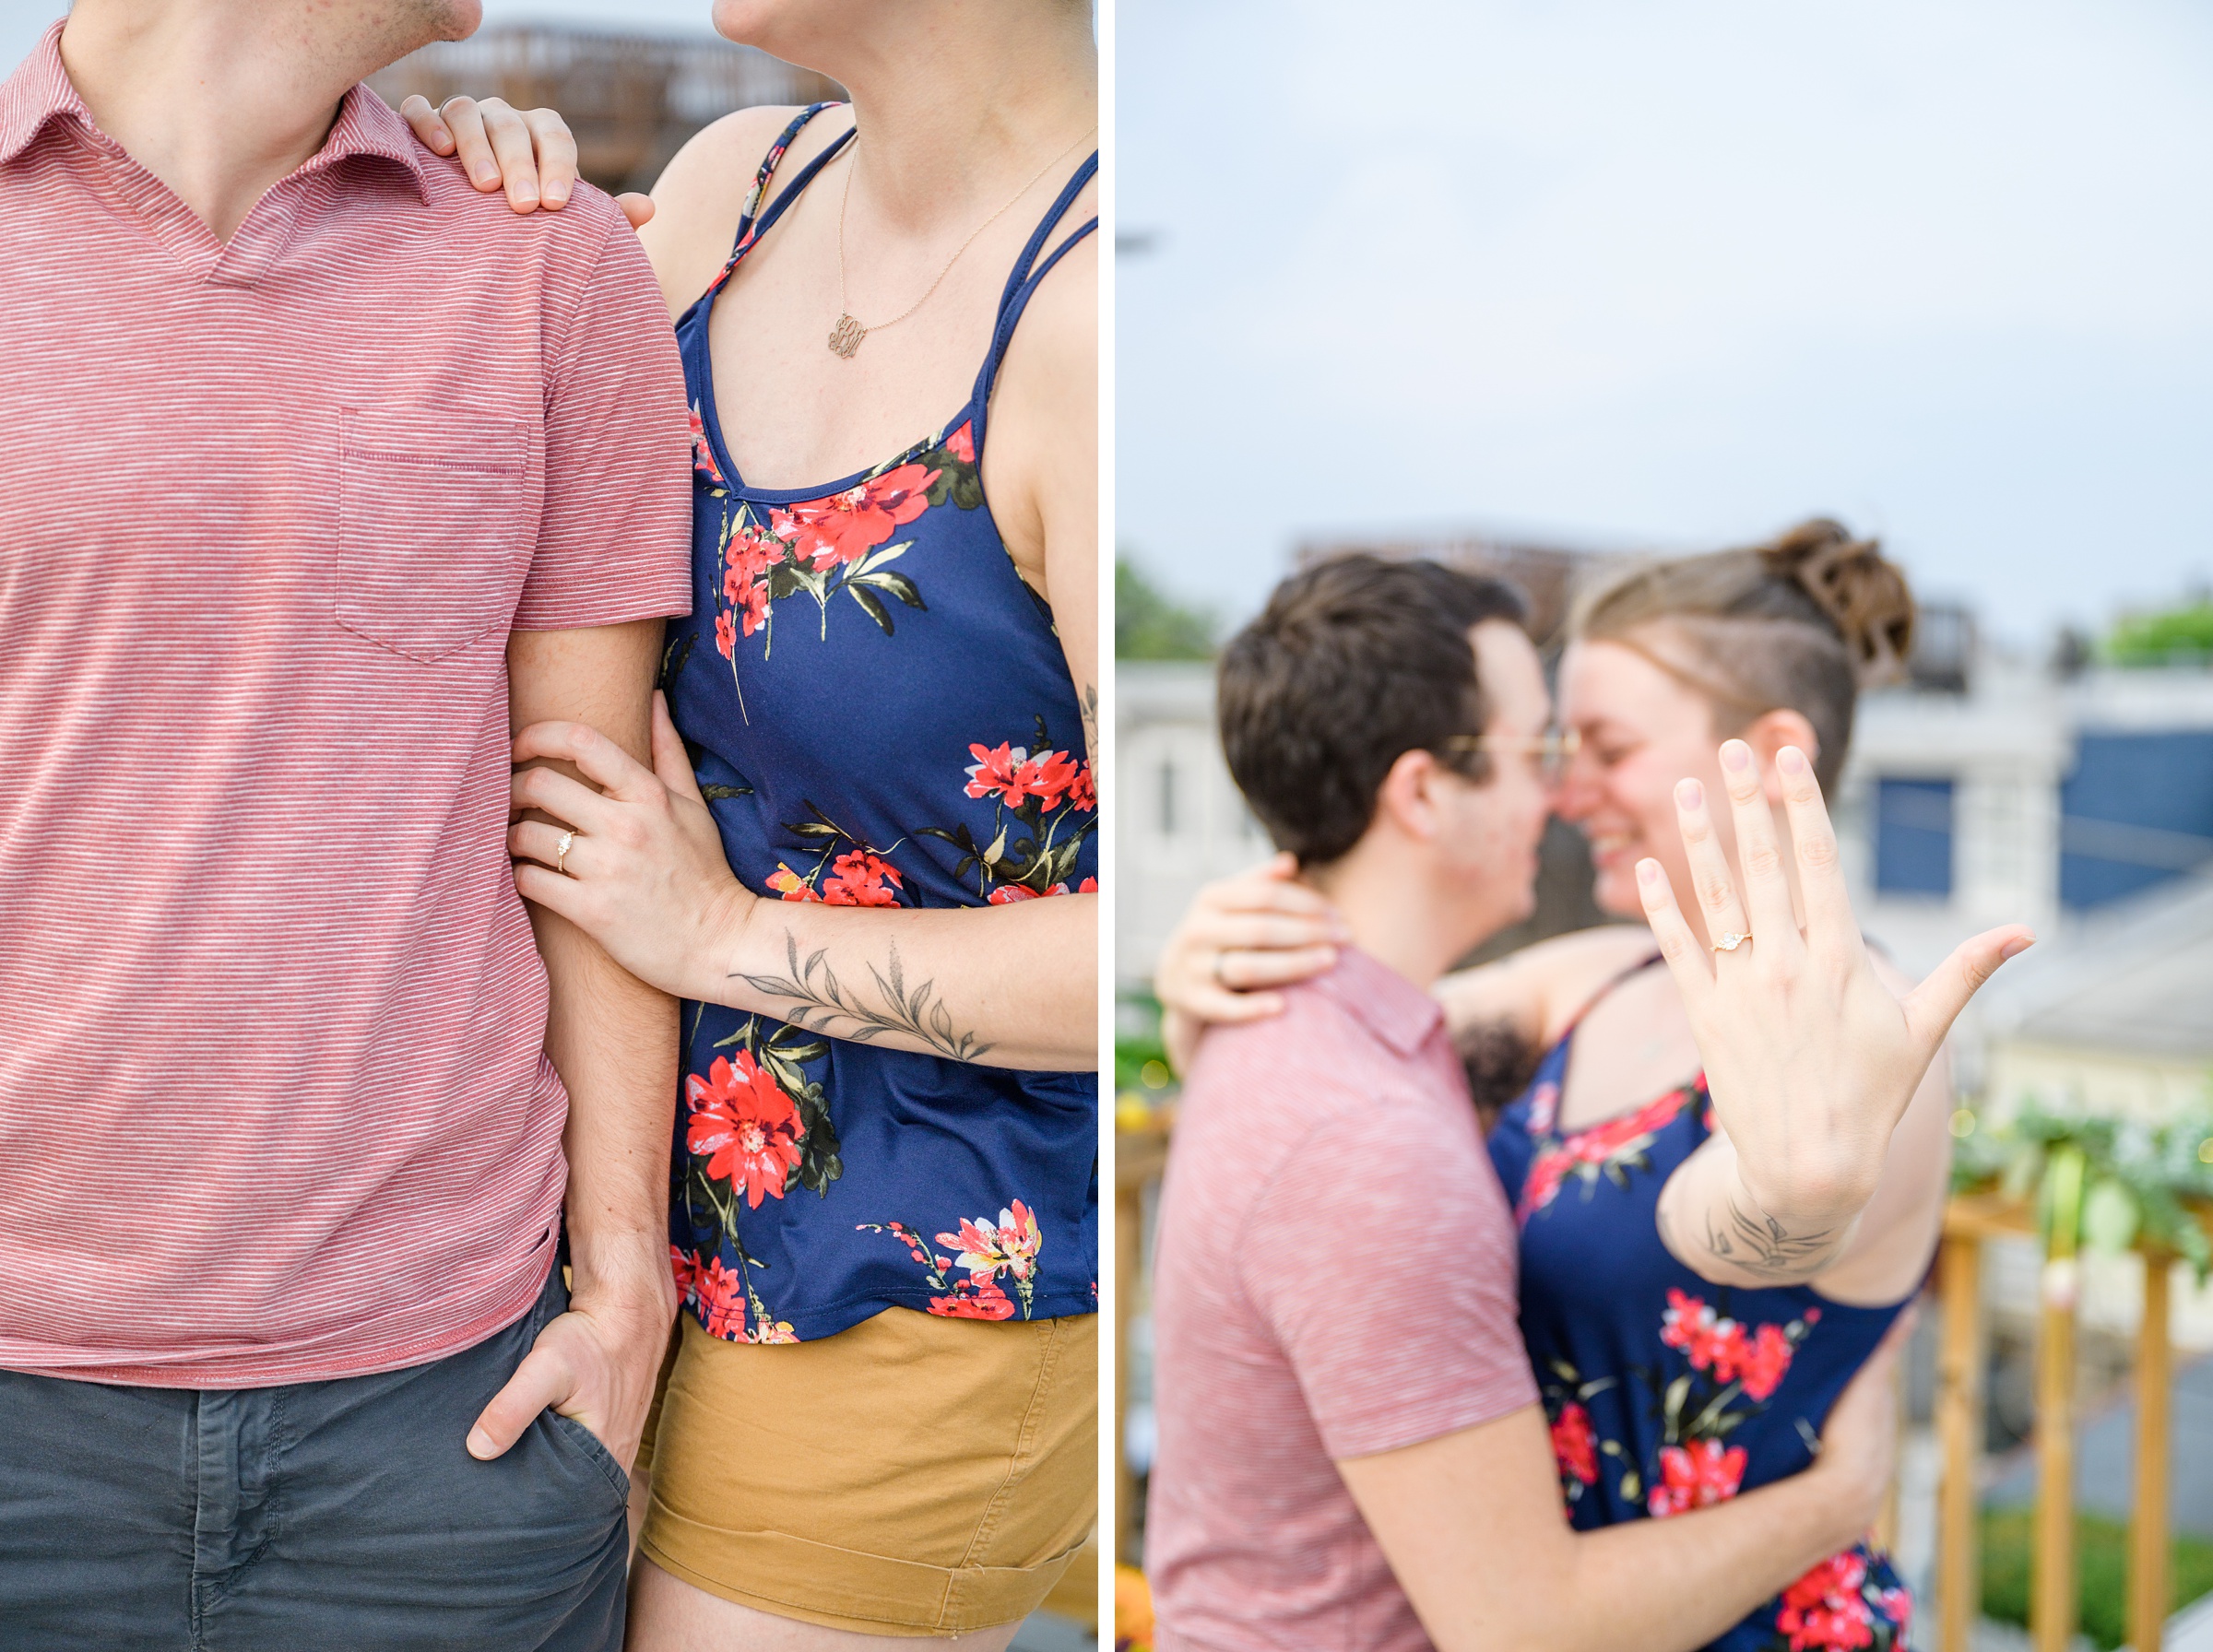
{"x": 323, "y": 473}
{"x": 1352, "y": 1454}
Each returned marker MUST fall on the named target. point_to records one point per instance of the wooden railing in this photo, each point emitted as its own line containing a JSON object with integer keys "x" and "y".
{"x": 1138, "y": 1158}
{"x": 1971, "y": 1219}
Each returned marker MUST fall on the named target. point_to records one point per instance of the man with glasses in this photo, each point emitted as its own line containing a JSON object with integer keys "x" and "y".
{"x": 1351, "y": 1450}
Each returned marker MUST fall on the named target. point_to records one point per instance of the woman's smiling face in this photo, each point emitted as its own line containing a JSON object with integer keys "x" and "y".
{"x": 1641, "y": 731}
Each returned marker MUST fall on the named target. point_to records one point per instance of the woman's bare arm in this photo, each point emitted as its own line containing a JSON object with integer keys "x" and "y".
{"x": 1536, "y": 991}
{"x": 645, "y": 875}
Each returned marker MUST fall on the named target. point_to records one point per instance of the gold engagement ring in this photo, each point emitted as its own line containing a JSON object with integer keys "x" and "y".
{"x": 1730, "y": 942}
{"x": 561, "y": 853}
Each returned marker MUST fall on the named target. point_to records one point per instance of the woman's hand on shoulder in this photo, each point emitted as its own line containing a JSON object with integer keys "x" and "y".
{"x": 529, "y": 153}
{"x": 1243, "y": 935}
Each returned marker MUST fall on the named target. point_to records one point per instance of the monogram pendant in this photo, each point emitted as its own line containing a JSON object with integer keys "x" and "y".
{"x": 844, "y": 337}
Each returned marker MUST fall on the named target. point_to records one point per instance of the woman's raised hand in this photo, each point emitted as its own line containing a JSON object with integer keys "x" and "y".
{"x": 531, "y": 154}
{"x": 1810, "y": 1058}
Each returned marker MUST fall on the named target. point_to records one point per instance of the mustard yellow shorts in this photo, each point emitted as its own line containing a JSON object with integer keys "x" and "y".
{"x": 911, "y": 1476}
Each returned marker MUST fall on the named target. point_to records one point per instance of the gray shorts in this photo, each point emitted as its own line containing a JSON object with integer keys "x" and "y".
{"x": 341, "y": 1514}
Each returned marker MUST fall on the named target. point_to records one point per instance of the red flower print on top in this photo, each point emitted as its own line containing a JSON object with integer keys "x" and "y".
{"x": 974, "y": 1299}
{"x": 1012, "y": 776}
{"x": 1696, "y": 1476}
{"x": 1898, "y": 1606}
{"x": 1826, "y": 1608}
{"x": 720, "y": 1296}
{"x": 847, "y": 526}
{"x": 702, "y": 456}
{"x": 741, "y": 1117}
{"x": 1008, "y": 1245}
{"x": 1609, "y": 1149}
{"x": 789, "y": 885}
{"x": 857, "y": 878}
{"x": 987, "y": 1250}
{"x": 1763, "y": 1361}
{"x": 747, "y": 560}
{"x": 960, "y": 444}
{"x": 1006, "y": 894}
{"x": 1574, "y": 1445}
{"x": 1720, "y": 1345}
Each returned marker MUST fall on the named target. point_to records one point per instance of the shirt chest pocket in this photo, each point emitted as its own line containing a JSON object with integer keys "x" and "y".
{"x": 434, "y": 520}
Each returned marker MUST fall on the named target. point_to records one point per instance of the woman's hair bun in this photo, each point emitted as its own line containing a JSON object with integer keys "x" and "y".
{"x": 1863, "y": 593}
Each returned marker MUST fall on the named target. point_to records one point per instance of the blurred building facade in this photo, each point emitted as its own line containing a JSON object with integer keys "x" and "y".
{"x": 631, "y": 100}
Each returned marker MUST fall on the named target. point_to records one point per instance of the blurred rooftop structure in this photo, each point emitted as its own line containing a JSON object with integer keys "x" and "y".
{"x": 631, "y": 99}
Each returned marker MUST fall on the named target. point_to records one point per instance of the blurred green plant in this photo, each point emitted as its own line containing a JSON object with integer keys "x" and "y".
{"x": 1143, "y": 1082}
{"x": 2098, "y": 1182}
{"x": 1151, "y": 625}
{"x": 2101, "y": 1567}
{"x": 2174, "y": 636}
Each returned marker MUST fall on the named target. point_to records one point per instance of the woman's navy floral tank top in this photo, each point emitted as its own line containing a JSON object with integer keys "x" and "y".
{"x": 1665, "y": 1392}
{"x": 880, "y": 715}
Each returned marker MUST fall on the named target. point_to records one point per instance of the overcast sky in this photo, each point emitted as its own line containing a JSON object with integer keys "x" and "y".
{"x": 1620, "y": 273}
{"x": 1606, "y": 272}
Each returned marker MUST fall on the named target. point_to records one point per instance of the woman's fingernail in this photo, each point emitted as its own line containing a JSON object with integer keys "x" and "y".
{"x": 1689, "y": 793}
{"x": 1648, "y": 873}
{"x": 480, "y": 1444}
{"x": 524, "y": 194}
{"x": 1791, "y": 760}
{"x": 488, "y": 174}
{"x": 2015, "y": 946}
{"x": 1735, "y": 756}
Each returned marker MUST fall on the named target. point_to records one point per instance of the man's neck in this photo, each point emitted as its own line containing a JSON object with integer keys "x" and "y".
{"x": 220, "y": 99}
{"x": 1396, "y": 914}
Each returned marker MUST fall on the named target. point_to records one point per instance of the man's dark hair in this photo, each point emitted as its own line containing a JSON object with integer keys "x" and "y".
{"x": 1353, "y": 662}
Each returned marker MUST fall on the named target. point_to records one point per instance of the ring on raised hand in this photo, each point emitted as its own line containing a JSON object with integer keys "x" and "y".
{"x": 561, "y": 853}
{"x": 1730, "y": 942}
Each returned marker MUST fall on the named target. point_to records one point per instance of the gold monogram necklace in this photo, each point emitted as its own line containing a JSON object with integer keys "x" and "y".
{"x": 844, "y": 337}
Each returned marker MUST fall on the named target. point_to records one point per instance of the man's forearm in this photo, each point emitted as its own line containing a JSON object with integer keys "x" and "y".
{"x": 613, "y": 1041}
{"x": 1674, "y": 1584}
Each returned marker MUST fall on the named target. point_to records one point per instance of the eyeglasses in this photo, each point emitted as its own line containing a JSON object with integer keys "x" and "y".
{"x": 1553, "y": 749}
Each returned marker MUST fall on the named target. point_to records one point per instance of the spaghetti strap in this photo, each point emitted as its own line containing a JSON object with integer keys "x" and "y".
{"x": 1023, "y": 283}
{"x": 753, "y": 223}
{"x": 1606, "y": 991}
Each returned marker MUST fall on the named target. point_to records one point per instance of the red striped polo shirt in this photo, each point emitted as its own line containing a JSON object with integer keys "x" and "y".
{"x": 274, "y": 1105}
{"x": 1334, "y": 1276}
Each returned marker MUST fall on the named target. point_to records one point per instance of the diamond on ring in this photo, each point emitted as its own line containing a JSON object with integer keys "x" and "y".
{"x": 561, "y": 853}
{"x": 1730, "y": 942}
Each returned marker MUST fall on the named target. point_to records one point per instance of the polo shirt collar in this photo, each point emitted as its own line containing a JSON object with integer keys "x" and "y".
{"x": 1382, "y": 1000}
{"x": 36, "y": 93}
{"x": 368, "y": 126}
{"x": 39, "y": 91}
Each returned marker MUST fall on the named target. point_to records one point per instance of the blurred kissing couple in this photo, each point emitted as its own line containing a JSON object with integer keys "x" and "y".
{"x": 1669, "y": 1290}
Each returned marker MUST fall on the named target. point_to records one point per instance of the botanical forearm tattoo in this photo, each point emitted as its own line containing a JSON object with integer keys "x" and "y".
{"x": 1753, "y": 1242}
{"x": 820, "y": 1003}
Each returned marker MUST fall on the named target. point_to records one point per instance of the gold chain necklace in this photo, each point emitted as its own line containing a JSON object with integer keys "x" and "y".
{"x": 844, "y": 337}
